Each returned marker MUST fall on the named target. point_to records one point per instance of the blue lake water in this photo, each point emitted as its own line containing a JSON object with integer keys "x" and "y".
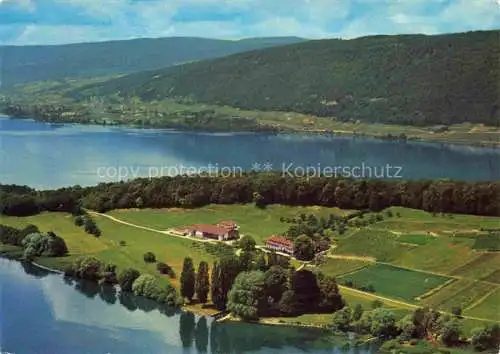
{"x": 42, "y": 313}
{"x": 45, "y": 155}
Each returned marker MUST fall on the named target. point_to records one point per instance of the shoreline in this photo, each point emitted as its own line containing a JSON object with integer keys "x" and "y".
{"x": 279, "y": 130}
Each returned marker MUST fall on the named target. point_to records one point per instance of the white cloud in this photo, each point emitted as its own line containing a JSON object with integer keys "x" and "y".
{"x": 28, "y": 5}
{"x": 306, "y": 18}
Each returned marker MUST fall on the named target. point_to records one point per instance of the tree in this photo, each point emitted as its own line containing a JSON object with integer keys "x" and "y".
{"x": 450, "y": 331}
{"x": 383, "y": 323}
{"x": 43, "y": 244}
{"x": 127, "y": 277}
{"x": 79, "y": 220}
{"x": 245, "y": 261}
{"x": 272, "y": 259}
{"x": 247, "y": 243}
{"x": 377, "y": 304}
{"x": 223, "y": 274}
{"x": 259, "y": 200}
{"x": 341, "y": 319}
{"x": 357, "y": 313}
{"x": 426, "y": 322}
{"x": 149, "y": 257}
{"x": 457, "y": 311}
{"x": 276, "y": 282}
{"x": 202, "y": 282}
{"x": 246, "y": 296}
{"x": 407, "y": 328}
{"x": 288, "y": 303}
{"x": 216, "y": 287}
{"x": 330, "y": 298}
{"x": 261, "y": 263}
{"x": 109, "y": 273}
{"x": 485, "y": 338}
{"x": 303, "y": 248}
{"x": 87, "y": 268}
{"x": 188, "y": 279}
{"x": 306, "y": 289}
{"x": 91, "y": 227}
{"x": 146, "y": 285}
{"x": 164, "y": 268}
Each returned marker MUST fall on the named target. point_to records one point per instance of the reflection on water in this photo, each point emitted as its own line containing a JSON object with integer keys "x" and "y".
{"x": 32, "y": 151}
{"x": 61, "y": 315}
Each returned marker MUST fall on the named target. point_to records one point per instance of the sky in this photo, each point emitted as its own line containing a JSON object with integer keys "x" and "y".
{"x": 28, "y": 22}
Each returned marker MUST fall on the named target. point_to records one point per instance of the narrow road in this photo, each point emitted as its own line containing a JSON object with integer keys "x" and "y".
{"x": 163, "y": 232}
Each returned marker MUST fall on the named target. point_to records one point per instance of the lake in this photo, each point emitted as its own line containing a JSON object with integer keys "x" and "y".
{"x": 44, "y": 155}
{"x": 42, "y": 312}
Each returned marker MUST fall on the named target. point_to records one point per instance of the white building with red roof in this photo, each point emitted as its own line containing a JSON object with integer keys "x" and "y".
{"x": 280, "y": 244}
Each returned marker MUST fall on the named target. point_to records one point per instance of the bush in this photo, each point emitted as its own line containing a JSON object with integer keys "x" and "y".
{"x": 164, "y": 268}
{"x": 87, "y": 268}
{"x": 146, "y": 285}
{"x": 288, "y": 303}
{"x": 377, "y": 304}
{"x": 90, "y": 226}
{"x": 79, "y": 220}
{"x": 123, "y": 243}
{"x": 149, "y": 257}
{"x": 127, "y": 277}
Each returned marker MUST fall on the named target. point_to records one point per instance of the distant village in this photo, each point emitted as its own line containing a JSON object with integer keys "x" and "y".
{"x": 228, "y": 230}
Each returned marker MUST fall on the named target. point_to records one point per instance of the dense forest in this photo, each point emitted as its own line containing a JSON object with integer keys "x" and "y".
{"x": 404, "y": 79}
{"x": 478, "y": 198}
{"x": 22, "y": 64}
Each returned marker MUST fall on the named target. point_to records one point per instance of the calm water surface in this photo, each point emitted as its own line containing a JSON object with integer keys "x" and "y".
{"x": 53, "y": 155}
{"x": 42, "y": 313}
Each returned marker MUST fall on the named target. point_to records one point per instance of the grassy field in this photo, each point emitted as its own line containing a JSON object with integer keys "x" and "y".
{"x": 170, "y": 250}
{"x": 441, "y": 255}
{"x": 416, "y": 239}
{"x": 488, "y": 308}
{"x": 337, "y": 267}
{"x": 382, "y": 245}
{"x": 395, "y": 282}
{"x": 412, "y": 220}
{"x": 485, "y": 266}
{"x": 460, "y": 293}
{"x": 258, "y": 223}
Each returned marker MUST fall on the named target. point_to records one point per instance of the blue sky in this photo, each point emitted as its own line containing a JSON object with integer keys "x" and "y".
{"x": 67, "y": 21}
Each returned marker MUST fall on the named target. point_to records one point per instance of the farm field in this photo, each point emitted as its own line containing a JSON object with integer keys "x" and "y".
{"x": 338, "y": 267}
{"x": 488, "y": 308}
{"x": 416, "y": 239}
{"x": 258, "y": 223}
{"x": 460, "y": 293}
{"x": 419, "y": 220}
{"x": 395, "y": 282}
{"x": 441, "y": 255}
{"x": 485, "y": 267}
{"x": 382, "y": 245}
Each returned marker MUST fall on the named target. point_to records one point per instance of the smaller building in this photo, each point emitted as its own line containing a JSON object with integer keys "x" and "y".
{"x": 280, "y": 244}
{"x": 213, "y": 231}
{"x": 228, "y": 224}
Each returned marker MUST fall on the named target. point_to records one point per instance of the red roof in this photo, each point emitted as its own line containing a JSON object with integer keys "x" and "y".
{"x": 227, "y": 223}
{"x": 280, "y": 240}
{"x": 209, "y": 229}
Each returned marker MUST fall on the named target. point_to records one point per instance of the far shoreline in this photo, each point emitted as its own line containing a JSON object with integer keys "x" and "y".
{"x": 440, "y": 141}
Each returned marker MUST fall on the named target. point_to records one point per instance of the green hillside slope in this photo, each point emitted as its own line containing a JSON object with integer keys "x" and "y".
{"x": 404, "y": 79}
{"x": 22, "y": 64}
